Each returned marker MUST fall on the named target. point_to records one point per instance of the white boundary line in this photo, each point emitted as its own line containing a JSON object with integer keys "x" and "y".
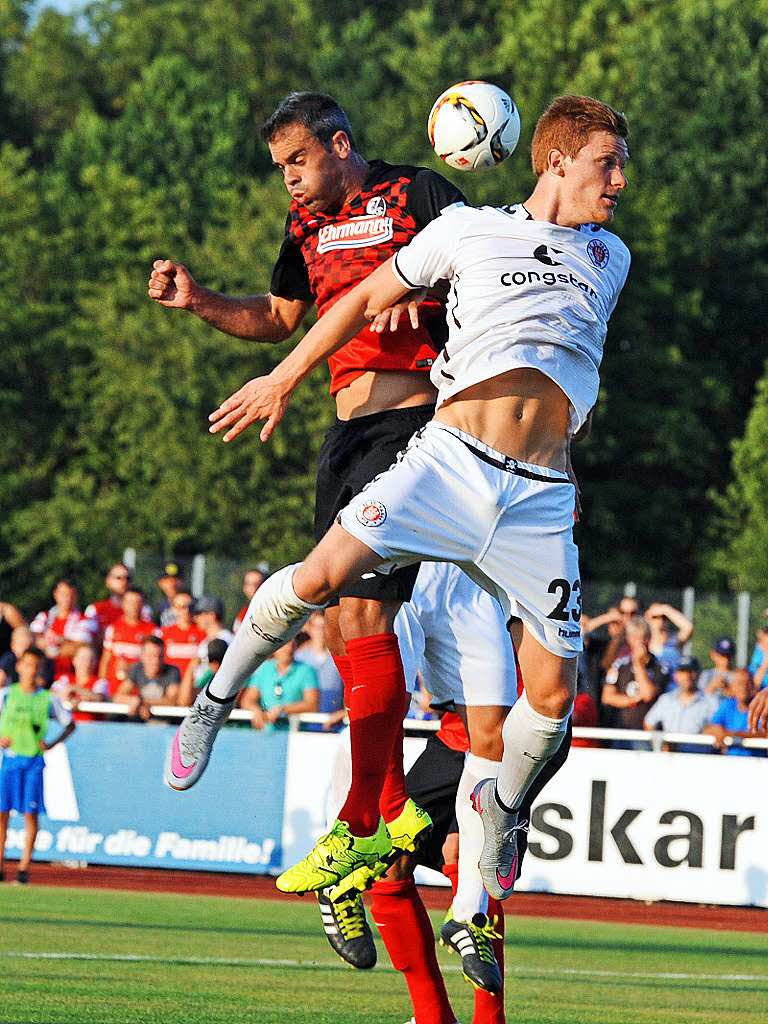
{"x": 213, "y": 961}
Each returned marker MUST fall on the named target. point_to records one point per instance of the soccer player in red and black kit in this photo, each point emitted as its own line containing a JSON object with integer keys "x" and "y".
{"x": 347, "y": 216}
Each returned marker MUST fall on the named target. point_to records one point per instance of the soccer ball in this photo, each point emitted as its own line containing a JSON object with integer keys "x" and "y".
{"x": 473, "y": 125}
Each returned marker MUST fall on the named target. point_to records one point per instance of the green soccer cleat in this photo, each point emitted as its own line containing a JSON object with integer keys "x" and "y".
{"x": 407, "y": 832}
{"x": 472, "y": 941}
{"x": 334, "y": 856}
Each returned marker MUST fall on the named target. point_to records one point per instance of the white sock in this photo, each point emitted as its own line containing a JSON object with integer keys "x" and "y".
{"x": 530, "y": 740}
{"x": 341, "y": 777}
{"x": 471, "y": 897}
{"x": 275, "y": 615}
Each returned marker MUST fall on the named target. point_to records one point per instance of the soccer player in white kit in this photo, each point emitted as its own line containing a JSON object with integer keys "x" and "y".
{"x": 484, "y": 484}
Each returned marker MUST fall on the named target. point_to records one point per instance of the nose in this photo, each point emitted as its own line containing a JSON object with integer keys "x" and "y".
{"x": 618, "y": 178}
{"x": 291, "y": 177}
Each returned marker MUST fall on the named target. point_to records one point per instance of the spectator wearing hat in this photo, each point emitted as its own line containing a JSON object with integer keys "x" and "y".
{"x": 715, "y": 680}
{"x": 170, "y": 582}
{"x": 103, "y": 613}
{"x": 732, "y": 716}
{"x": 252, "y": 580}
{"x": 685, "y": 708}
{"x": 208, "y": 613}
{"x": 122, "y": 640}
{"x": 279, "y": 688}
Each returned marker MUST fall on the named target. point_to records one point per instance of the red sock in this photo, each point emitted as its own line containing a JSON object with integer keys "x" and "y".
{"x": 407, "y": 933}
{"x": 343, "y": 667}
{"x": 393, "y": 794}
{"x": 375, "y": 704}
{"x": 489, "y": 1009}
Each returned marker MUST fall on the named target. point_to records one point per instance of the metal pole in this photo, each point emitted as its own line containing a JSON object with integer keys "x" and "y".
{"x": 689, "y": 604}
{"x": 198, "y": 576}
{"x": 630, "y": 589}
{"x": 742, "y": 626}
{"x": 129, "y": 558}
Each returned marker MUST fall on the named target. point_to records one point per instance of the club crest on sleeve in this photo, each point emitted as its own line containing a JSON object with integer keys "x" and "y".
{"x": 598, "y": 253}
{"x": 376, "y": 207}
{"x": 371, "y": 513}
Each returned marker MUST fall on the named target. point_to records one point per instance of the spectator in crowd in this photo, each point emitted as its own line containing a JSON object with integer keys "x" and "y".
{"x": 216, "y": 651}
{"x": 22, "y": 638}
{"x": 313, "y": 652}
{"x": 208, "y": 614}
{"x": 731, "y": 716}
{"x": 10, "y": 619}
{"x": 183, "y": 637}
{"x": 585, "y": 712}
{"x": 150, "y": 681}
{"x": 122, "y": 640}
{"x": 665, "y": 646}
{"x": 170, "y": 582}
{"x": 252, "y": 580}
{"x": 25, "y": 709}
{"x": 60, "y": 629}
{"x": 83, "y": 683}
{"x": 279, "y": 688}
{"x": 103, "y": 613}
{"x": 715, "y": 680}
{"x": 758, "y": 664}
{"x": 616, "y": 619}
{"x": 685, "y": 708}
{"x": 634, "y": 681}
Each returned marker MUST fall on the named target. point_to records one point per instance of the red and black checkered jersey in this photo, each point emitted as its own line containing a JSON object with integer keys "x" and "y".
{"x": 324, "y": 255}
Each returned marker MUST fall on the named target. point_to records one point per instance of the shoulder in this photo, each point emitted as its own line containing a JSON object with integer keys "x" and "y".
{"x": 617, "y": 251}
{"x": 305, "y": 673}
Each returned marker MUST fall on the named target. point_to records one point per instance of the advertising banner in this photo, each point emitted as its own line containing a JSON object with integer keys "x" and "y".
{"x": 107, "y": 804}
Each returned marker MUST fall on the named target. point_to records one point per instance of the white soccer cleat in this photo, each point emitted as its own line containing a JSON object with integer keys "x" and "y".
{"x": 191, "y": 748}
{"x": 499, "y": 859}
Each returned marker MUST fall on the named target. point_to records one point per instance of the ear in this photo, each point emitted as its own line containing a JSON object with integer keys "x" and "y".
{"x": 341, "y": 145}
{"x": 557, "y": 162}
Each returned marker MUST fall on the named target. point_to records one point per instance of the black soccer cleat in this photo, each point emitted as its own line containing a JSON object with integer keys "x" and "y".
{"x": 347, "y": 930}
{"x": 472, "y": 941}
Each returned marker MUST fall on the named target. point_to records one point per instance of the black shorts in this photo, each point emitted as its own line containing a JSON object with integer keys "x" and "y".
{"x": 353, "y": 453}
{"x": 433, "y": 781}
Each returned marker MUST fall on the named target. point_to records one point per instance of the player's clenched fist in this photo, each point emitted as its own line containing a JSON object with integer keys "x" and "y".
{"x": 171, "y": 284}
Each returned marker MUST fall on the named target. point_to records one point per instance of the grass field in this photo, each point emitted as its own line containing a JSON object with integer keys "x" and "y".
{"x": 79, "y": 956}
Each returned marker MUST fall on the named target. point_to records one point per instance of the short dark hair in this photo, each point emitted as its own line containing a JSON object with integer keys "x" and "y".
{"x": 134, "y": 590}
{"x": 217, "y": 649}
{"x": 156, "y": 641}
{"x": 319, "y": 113}
{"x": 35, "y": 652}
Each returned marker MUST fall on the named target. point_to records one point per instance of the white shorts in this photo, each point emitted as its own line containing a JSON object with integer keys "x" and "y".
{"x": 455, "y": 634}
{"x": 507, "y": 524}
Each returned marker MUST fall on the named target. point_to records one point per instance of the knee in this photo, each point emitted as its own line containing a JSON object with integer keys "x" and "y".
{"x": 450, "y": 849}
{"x": 554, "y": 702}
{"x": 485, "y": 736}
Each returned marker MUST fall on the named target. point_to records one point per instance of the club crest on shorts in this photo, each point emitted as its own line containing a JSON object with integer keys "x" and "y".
{"x": 598, "y": 253}
{"x": 371, "y": 513}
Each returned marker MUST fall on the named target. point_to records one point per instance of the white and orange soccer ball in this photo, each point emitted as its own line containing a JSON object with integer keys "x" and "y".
{"x": 473, "y": 125}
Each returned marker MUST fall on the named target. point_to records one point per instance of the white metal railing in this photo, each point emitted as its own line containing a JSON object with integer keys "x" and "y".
{"x": 655, "y": 740}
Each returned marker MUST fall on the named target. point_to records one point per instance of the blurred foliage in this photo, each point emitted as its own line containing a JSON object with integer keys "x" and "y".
{"x": 130, "y": 131}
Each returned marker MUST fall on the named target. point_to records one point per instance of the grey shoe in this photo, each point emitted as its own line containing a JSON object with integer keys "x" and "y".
{"x": 498, "y": 861}
{"x": 188, "y": 755}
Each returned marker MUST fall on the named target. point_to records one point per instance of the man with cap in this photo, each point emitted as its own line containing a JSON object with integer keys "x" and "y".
{"x": 208, "y": 613}
{"x": 169, "y": 582}
{"x": 714, "y": 680}
{"x": 684, "y": 708}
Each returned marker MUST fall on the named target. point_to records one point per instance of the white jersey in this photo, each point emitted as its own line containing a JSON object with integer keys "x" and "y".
{"x": 524, "y": 293}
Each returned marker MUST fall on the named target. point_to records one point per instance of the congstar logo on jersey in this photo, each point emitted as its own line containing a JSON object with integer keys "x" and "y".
{"x": 355, "y": 233}
{"x": 544, "y": 254}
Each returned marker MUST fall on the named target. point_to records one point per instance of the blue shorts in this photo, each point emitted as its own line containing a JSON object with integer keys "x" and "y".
{"x": 21, "y": 784}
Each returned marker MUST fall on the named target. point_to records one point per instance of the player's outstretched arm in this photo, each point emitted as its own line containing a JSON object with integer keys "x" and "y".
{"x": 266, "y": 398}
{"x": 266, "y": 318}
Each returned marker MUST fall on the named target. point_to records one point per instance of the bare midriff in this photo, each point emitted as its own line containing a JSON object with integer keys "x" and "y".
{"x": 381, "y": 390}
{"x": 521, "y": 413}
